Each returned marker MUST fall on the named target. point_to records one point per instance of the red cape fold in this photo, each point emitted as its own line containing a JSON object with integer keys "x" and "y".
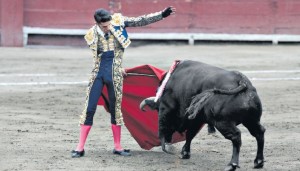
{"x": 140, "y": 83}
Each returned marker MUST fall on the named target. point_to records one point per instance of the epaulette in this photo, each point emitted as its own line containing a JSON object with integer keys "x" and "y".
{"x": 90, "y": 37}
{"x": 117, "y": 19}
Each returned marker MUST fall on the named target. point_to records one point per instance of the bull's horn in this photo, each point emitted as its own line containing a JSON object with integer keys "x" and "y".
{"x": 143, "y": 103}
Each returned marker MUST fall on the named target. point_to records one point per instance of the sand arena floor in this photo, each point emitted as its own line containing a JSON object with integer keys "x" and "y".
{"x": 42, "y": 93}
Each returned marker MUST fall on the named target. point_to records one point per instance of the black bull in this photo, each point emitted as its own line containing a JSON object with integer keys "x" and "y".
{"x": 198, "y": 93}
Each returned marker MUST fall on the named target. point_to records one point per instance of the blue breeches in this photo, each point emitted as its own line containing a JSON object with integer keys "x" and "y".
{"x": 104, "y": 77}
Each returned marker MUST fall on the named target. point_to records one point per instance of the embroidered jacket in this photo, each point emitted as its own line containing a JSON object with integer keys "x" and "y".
{"x": 117, "y": 41}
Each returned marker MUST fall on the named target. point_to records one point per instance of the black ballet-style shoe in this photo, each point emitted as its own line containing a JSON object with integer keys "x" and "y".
{"x": 77, "y": 154}
{"x": 125, "y": 152}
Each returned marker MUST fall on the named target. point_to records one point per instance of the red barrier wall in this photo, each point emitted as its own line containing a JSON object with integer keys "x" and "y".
{"x": 11, "y": 22}
{"x": 200, "y": 16}
{"x": 61, "y": 14}
{"x": 193, "y": 16}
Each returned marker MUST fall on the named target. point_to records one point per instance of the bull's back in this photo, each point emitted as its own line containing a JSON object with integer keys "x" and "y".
{"x": 191, "y": 78}
{"x": 195, "y": 77}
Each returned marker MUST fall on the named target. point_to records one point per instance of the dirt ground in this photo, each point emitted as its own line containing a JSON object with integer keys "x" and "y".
{"x": 42, "y": 93}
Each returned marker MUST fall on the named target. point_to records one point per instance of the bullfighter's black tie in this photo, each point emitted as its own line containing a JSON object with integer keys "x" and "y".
{"x": 106, "y": 35}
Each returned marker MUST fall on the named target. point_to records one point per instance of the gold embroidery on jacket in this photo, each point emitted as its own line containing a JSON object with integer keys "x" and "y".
{"x": 107, "y": 45}
{"x": 118, "y": 84}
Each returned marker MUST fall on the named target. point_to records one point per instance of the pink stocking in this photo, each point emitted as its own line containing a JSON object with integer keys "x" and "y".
{"x": 84, "y": 131}
{"x": 116, "y": 129}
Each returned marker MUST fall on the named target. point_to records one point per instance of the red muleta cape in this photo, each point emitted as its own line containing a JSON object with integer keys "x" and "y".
{"x": 140, "y": 83}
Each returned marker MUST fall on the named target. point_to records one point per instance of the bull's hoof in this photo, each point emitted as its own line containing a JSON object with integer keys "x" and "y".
{"x": 169, "y": 148}
{"x": 258, "y": 163}
{"x": 185, "y": 155}
{"x": 211, "y": 130}
{"x": 211, "y": 133}
{"x": 231, "y": 167}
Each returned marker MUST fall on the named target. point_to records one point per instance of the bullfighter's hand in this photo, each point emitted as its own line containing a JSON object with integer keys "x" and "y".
{"x": 168, "y": 11}
{"x": 124, "y": 72}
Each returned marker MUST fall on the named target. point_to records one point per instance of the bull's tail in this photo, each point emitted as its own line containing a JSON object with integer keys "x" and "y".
{"x": 198, "y": 103}
{"x": 200, "y": 100}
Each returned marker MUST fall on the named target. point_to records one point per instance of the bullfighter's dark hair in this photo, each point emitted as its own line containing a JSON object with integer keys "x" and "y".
{"x": 102, "y": 15}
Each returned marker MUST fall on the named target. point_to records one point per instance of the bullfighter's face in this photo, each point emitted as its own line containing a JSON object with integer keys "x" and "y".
{"x": 105, "y": 26}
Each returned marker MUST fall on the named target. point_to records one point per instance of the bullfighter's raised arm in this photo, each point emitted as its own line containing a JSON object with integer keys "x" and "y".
{"x": 148, "y": 18}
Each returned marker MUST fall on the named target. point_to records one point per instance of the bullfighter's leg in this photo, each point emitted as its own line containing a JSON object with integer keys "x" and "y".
{"x": 231, "y": 132}
{"x": 190, "y": 134}
{"x": 116, "y": 129}
{"x": 87, "y": 116}
{"x": 92, "y": 100}
{"x": 258, "y": 131}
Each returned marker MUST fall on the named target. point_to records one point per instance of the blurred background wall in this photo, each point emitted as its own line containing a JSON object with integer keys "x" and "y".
{"x": 264, "y": 17}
